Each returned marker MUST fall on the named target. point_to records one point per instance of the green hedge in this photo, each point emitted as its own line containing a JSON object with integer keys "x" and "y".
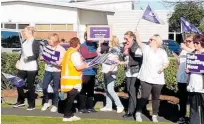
{"x": 8, "y": 61}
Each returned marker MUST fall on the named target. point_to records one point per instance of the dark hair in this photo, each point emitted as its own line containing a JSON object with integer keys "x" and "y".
{"x": 74, "y": 42}
{"x": 85, "y": 35}
{"x": 199, "y": 38}
{"x": 130, "y": 34}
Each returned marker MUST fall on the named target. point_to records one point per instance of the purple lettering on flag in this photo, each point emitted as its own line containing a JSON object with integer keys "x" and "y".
{"x": 195, "y": 63}
{"x": 50, "y": 55}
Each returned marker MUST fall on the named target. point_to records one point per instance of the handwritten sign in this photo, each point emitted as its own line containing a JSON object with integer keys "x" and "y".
{"x": 50, "y": 55}
{"x": 195, "y": 63}
{"x": 99, "y": 32}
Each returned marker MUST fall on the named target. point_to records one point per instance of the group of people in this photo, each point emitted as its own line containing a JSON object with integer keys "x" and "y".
{"x": 144, "y": 65}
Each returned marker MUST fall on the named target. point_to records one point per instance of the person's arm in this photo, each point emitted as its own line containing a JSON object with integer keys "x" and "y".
{"x": 86, "y": 53}
{"x": 36, "y": 51}
{"x": 62, "y": 52}
{"x": 165, "y": 62}
{"x": 138, "y": 40}
{"x": 78, "y": 62}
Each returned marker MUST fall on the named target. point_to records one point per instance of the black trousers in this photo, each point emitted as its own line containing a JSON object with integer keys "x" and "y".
{"x": 86, "y": 96}
{"x": 183, "y": 98}
{"x": 155, "y": 90}
{"x": 196, "y": 108}
{"x": 30, "y": 78}
{"x": 69, "y": 101}
{"x": 132, "y": 89}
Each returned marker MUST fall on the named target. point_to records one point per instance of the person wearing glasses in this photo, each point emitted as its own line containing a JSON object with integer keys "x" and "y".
{"x": 196, "y": 86}
{"x": 133, "y": 59}
{"x": 151, "y": 74}
{"x": 182, "y": 77}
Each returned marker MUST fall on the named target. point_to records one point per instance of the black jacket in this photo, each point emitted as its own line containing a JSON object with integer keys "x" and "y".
{"x": 135, "y": 61}
{"x": 35, "y": 49}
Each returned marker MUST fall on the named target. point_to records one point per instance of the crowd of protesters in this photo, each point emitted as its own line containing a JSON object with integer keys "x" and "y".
{"x": 144, "y": 66}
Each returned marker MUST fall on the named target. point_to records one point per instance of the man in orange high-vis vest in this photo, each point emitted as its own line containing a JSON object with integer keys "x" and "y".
{"x": 71, "y": 77}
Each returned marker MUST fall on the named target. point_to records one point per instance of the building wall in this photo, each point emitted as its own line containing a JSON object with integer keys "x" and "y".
{"x": 124, "y": 21}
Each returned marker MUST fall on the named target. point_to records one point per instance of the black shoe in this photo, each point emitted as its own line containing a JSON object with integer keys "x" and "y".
{"x": 91, "y": 110}
{"x": 127, "y": 115}
{"x": 83, "y": 111}
{"x": 30, "y": 108}
{"x": 181, "y": 120}
{"x": 19, "y": 104}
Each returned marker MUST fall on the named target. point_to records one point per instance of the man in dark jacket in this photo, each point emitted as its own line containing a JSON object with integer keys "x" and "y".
{"x": 86, "y": 97}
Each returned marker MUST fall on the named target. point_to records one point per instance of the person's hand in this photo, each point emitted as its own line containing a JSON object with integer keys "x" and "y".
{"x": 58, "y": 62}
{"x": 41, "y": 58}
{"x": 25, "y": 59}
{"x": 160, "y": 71}
{"x": 187, "y": 70}
{"x": 17, "y": 64}
{"x": 101, "y": 41}
{"x": 124, "y": 63}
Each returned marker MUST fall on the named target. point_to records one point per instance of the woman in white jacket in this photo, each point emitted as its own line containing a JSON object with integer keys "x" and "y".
{"x": 196, "y": 87}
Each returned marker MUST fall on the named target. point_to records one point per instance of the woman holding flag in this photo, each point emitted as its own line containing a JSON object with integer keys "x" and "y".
{"x": 151, "y": 74}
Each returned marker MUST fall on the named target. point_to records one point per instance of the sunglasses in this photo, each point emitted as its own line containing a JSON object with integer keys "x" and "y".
{"x": 151, "y": 39}
{"x": 125, "y": 39}
{"x": 188, "y": 41}
{"x": 196, "y": 43}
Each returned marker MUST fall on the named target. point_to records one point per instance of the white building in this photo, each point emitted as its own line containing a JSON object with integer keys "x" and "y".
{"x": 71, "y": 19}
{"x": 66, "y": 19}
{"x": 126, "y": 18}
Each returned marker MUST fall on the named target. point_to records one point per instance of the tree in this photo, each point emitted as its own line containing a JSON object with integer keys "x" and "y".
{"x": 191, "y": 10}
{"x": 201, "y": 27}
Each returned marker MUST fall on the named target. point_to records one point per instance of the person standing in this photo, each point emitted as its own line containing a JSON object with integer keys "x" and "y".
{"x": 151, "y": 74}
{"x": 110, "y": 71}
{"x": 196, "y": 86}
{"x": 182, "y": 78}
{"x": 71, "y": 77}
{"x": 133, "y": 57}
{"x": 27, "y": 66}
{"x": 52, "y": 73}
{"x": 86, "y": 96}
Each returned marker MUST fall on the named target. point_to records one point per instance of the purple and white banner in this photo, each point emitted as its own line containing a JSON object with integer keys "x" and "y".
{"x": 195, "y": 63}
{"x": 50, "y": 55}
{"x": 100, "y": 32}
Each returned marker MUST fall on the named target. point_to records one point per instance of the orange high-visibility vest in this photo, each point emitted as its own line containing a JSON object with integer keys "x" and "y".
{"x": 70, "y": 77}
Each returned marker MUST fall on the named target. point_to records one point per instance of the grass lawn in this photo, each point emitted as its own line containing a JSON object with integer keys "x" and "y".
{"x": 56, "y": 120}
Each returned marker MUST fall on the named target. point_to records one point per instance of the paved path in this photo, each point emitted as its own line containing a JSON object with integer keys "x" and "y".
{"x": 98, "y": 115}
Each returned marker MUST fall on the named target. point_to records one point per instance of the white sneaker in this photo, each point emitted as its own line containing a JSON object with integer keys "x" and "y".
{"x": 53, "y": 109}
{"x": 120, "y": 109}
{"x": 154, "y": 118}
{"x": 104, "y": 109}
{"x": 138, "y": 117}
{"x": 45, "y": 106}
{"x": 75, "y": 118}
{"x": 67, "y": 119}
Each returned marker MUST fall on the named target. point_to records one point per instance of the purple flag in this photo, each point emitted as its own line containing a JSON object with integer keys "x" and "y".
{"x": 18, "y": 82}
{"x": 151, "y": 16}
{"x": 186, "y": 26}
{"x": 195, "y": 63}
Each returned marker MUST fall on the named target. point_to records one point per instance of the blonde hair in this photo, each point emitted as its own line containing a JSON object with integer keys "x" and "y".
{"x": 158, "y": 39}
{"x": 114, "y": 41}
{"x": 56, "y": 37}
{"x": 189, "y": 36}
{"x": 30, "y": 29}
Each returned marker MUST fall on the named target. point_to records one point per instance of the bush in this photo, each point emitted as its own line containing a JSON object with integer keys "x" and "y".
{"x": 8, "y": 61}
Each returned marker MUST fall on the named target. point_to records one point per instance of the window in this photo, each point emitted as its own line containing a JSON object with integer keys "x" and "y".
{"x": 10, "y": 26}
{"x": 22, "y": 26}
{"x": 10, "y": 39}
{"x": 54, "y": 27}
{"x": 2, "y": 25}
{"x": 42, "y": 26}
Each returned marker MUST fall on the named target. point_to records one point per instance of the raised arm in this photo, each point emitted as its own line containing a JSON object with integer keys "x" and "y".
{"x": 138, "y": 40}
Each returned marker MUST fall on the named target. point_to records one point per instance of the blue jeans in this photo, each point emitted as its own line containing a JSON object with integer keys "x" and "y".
{"x": 110, "y": 92}
{"x": 48, "y": 77}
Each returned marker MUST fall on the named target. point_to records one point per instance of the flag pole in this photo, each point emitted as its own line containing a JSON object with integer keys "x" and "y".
{"x": 138, "y": 23}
